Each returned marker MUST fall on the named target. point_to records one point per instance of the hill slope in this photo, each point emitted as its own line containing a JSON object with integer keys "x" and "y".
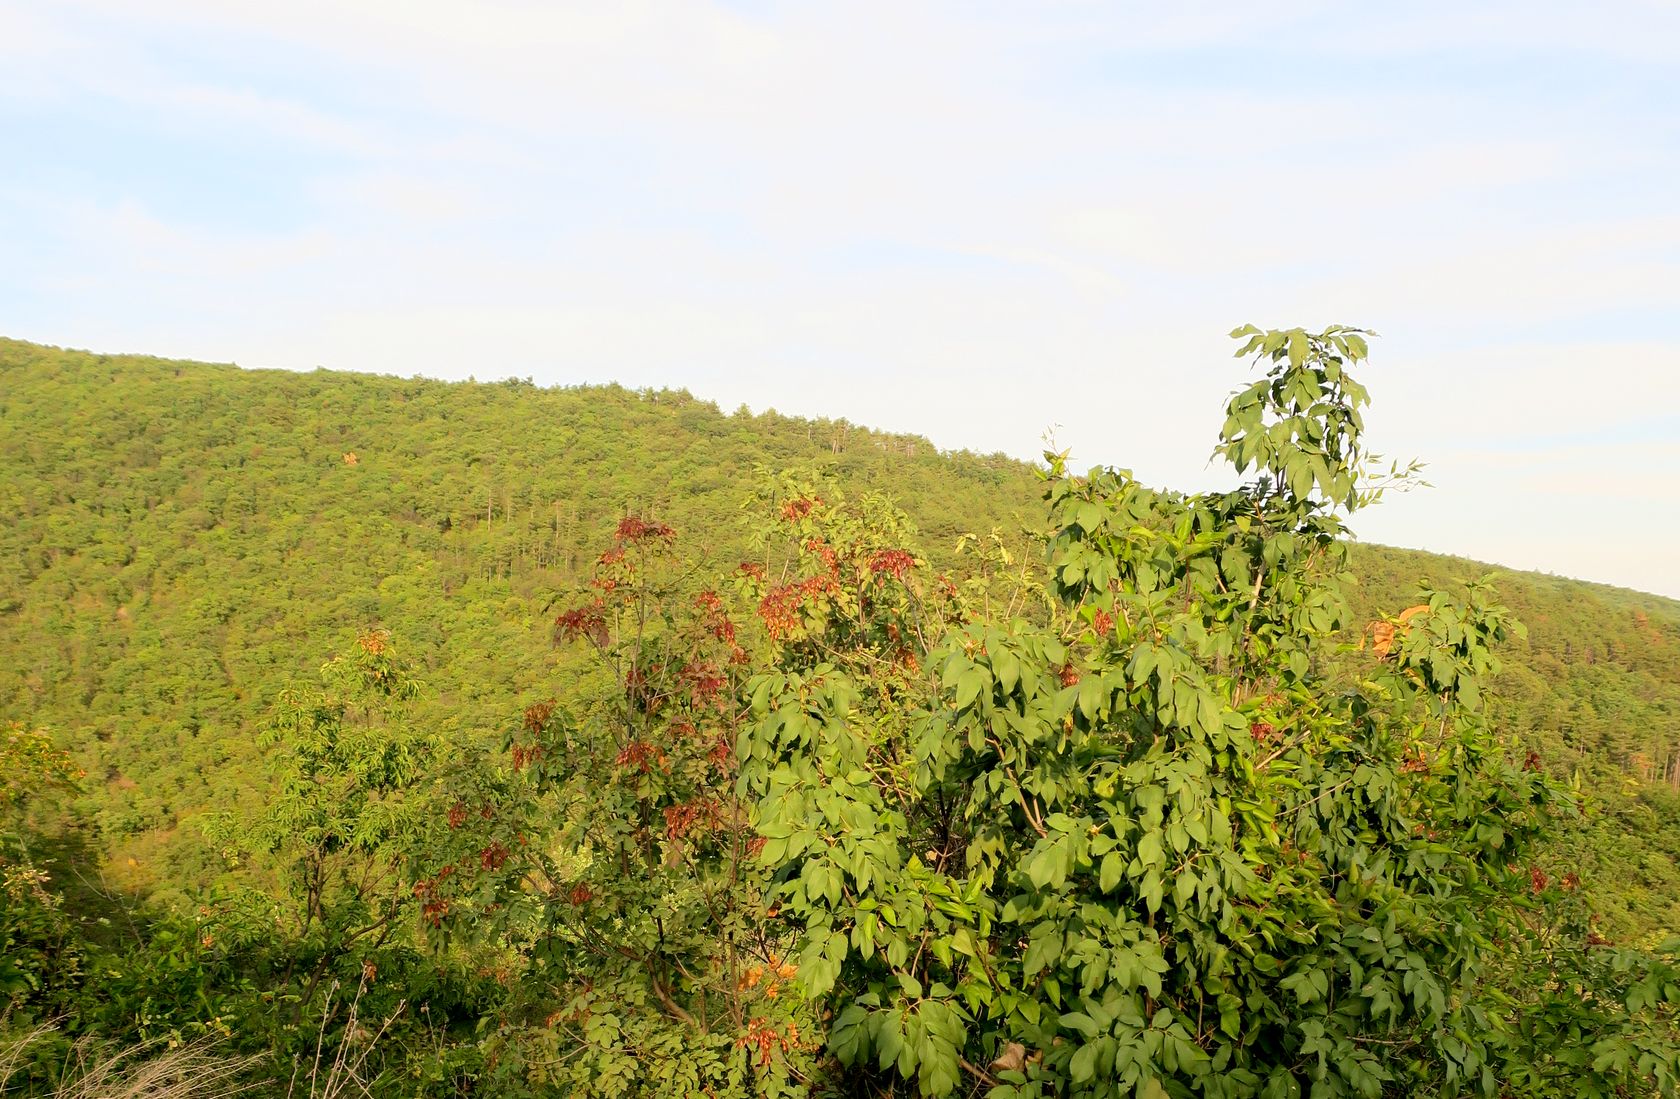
{"x": 186, "y": 539}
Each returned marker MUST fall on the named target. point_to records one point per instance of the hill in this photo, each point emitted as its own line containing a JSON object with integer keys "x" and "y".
{"x": 184, "y": 540}
{"x": 188, "y": 539}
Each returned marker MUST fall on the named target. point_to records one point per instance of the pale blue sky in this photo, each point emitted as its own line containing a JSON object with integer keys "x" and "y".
{"x": 968, "y": 221}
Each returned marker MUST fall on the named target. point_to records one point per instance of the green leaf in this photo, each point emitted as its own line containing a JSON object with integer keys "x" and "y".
{"x": 1149, "y": 850}
{"x": 1083, "y": 1065}
{"x": 1008, "y": 670}
{"x": 1109, "y": 875}
{"x": 1091, "y": 695}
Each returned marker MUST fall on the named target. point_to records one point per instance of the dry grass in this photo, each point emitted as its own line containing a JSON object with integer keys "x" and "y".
{"x": 198, "y": 1070}
{"x": 344, "y": 1074}
{"x": 145, "y": 1071}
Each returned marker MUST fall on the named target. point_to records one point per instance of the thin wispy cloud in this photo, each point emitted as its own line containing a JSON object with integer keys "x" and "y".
{"x": 970, "y": 222}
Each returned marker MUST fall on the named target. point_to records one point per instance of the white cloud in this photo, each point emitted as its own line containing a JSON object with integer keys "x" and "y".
{"x": 961, "y": 222}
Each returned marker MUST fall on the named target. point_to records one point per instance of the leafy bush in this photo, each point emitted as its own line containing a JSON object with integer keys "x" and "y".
{"x": 1154, "y": 845}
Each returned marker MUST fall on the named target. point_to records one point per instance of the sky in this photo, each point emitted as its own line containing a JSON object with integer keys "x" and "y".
{"x": 987, "y": 224}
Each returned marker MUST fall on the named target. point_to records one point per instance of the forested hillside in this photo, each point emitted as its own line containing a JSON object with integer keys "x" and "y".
{"x": 190, "y": 538}
{"x": 1595, "y": 687}
{"x": 184, "y": 542}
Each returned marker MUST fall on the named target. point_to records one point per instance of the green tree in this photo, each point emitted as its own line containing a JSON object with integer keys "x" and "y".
{"x": 1187, "y": 857}
{"x": 353, "y": 802}
{"x": 616, "y": 850}
{"x": 40, "y": 954}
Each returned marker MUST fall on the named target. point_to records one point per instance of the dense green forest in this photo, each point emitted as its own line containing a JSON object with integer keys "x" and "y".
{"x": 191, "y": 539}
{"x": 281, "y": 622}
